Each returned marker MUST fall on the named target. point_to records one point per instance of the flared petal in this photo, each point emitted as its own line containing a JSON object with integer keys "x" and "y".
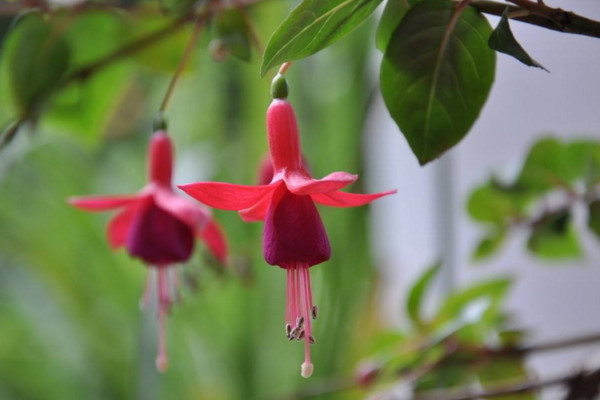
{"x": 344, "y": 199}
{"x": 102, "y": 203}
{"x": 258, "y": 212}
{"x": 215, "y": 241}
{"x": 118, "y": 227}
{"x": 227, "y": 196}
{"x": 184, "y": 209}
{"x": 300, "y": 183}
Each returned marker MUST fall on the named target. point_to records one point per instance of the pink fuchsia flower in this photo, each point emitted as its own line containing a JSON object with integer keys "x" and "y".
{"x": 159, "y": 227}
{"x": 294, "y": 237}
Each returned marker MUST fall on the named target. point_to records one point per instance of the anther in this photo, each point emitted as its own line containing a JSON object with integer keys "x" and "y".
{"x": 299, "y": 322}
{"x": 288, "y": 330}
{"x": 314, "y": 312}
{"x": 294, "y": 333}
{"x": 300, "y": 336}
{"x": 311, "y": 340}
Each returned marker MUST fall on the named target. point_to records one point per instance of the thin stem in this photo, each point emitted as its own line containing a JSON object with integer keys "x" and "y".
{"x": 541, "y": 15}
{"x": 284, "y": 67}
{"x": 182, "y": 63}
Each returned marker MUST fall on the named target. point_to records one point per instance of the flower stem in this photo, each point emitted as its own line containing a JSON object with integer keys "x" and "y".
{"x": 182, "y": 63}
{"x": 284, "y": 67}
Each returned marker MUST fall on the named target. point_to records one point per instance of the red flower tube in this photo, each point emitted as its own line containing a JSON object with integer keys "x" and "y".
{"x": 294, "y": 237}
{"x": 158, "y": 227}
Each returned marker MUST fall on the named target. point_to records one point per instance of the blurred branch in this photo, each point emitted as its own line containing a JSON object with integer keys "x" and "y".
{"x": 581, "y": 385}
{"x": 539, "y": 14}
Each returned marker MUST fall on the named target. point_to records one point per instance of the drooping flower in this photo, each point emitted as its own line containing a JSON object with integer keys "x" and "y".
{"x": 294, "y": 237}
{"x": 159, "y": 227}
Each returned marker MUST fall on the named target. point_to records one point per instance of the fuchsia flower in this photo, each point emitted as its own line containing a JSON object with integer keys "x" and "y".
{"x": 294, "y": 237}
{"x": 158, "y": 226}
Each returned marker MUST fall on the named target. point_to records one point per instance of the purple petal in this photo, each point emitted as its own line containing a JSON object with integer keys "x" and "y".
{"x": 158, "y": 237}
{"x": 294, "y": 232}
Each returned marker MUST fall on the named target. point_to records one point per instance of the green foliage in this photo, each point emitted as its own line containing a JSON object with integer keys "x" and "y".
{"x": 231, "y": 30}
{"x": 436, "y": 75}
{"x": 553, "y": 236}
{"x": 594, "y": 217}
{"x": 503, "y": 40}
{"x": 417, "y": 293}
{"x": 551, "y": 168}
{"x": 312, "y": 26}
{"x": 489, "y": 244}
{"x": 503, "y": 373}
{"x": 38, "y": 57}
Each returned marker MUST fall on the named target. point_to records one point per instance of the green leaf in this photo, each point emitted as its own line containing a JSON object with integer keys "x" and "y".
{"x": 231, "y": 30}
{"x": 436, "y": 75}
{"x": 503, "y": 40}
{"x": 552, "y": 164}
{"x": 417, "y": 292}
{"x": 392, "y": 15}
{"x": 505, "y": 372}
{"x": 594, "y": 217}
{"x": 38, "y": 57}
{"x": 312, "y": 26}
{"x": 489, "y": 244}
{"x": 456, "y": 304}
{"x": 490, "y": 203}
{"x": 553, "y": 237}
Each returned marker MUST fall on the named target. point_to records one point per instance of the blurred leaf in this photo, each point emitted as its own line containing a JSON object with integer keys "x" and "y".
{"x": 38, "y": 57}
{"x": 312, "y": 26}
{"x": 457, "y": 304}
{"x": 489, "y": 203}
{"x": 415, "y": 296}
{"x": 390, "y": 18}
{"x": 503, "y": 40}
{"x": 489, "y": 245}
{"x": 553, "y": 237}
{"x": 436, "y": 75}
{"x": 92, "y": 35}
{"x": 165, "y": 54}
{"x": 504, "y": 372}
{"x": 86, "y": 108}
{"x": 594, "y": 217}
{"x": 230, "y": 29}
{"x": 548, "y": 166}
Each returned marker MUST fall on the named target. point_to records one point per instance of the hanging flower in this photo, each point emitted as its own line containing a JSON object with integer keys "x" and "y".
{"x": 294, "y": 237}
{"x": 159, "y": 227}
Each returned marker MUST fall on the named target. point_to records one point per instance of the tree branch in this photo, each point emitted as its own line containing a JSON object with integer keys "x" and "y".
{"x": 555, "y": 19}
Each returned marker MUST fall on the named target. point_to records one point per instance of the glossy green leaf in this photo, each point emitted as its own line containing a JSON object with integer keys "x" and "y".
{"x": 553, "y": 237}
{"x": 312, "y": 26}
{"x": 436, "y": 75}
{"x": 231, "y": 30}
{"x": 38, "y": 57}
{"x": 489, "y": 245}
{"x": 417, "y": 293}
{"x": 594, "y": 217}
{"x": 390, "y": 18}
{"x": 503, "y": 40}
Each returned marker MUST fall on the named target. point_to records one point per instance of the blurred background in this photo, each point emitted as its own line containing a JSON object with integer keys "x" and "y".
{"x": 70, "y": 325}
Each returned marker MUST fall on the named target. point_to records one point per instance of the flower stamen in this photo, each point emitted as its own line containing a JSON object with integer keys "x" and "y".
{"x": 299, "y": 310}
